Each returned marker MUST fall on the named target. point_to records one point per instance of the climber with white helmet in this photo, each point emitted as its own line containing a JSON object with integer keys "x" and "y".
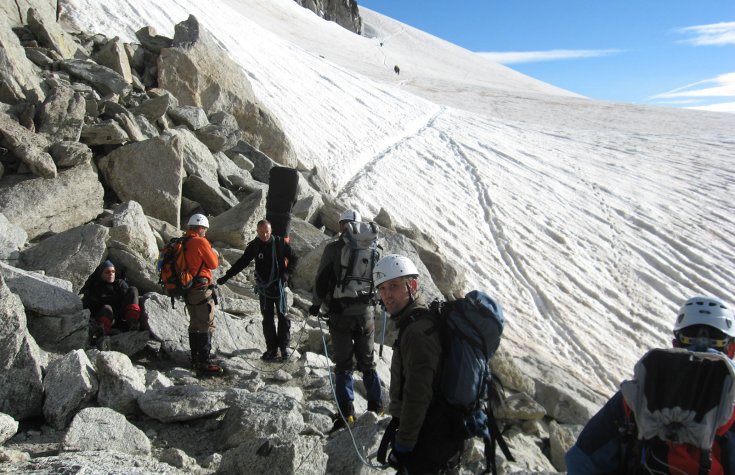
{"x": 422, "y": 442}
{"x": 201, "y": 260}
{"x": 612, "y": 440}
{"x": 345, "y": 286}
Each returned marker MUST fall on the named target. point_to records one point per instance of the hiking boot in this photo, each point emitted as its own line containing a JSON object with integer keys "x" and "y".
{"x": 285, "y": 354}
{"x": 269, "y": 355}
{"x": 339, "y": 423}
{"x": 376, "y": 407}
{"x": 208, "y": 369}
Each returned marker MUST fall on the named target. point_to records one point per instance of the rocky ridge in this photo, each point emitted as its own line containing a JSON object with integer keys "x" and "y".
{"x": 106, "y": 148}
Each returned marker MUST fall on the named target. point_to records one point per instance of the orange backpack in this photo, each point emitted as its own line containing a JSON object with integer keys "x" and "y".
{"x": 173, "y": 271}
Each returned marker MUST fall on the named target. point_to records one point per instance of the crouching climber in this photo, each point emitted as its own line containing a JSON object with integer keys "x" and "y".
{"x": 113, "y": 304}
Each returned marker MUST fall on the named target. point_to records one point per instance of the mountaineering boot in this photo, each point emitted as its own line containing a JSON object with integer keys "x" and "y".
{"x": 269, "y": 355}
{"x": 285, "y": 353}
{"x": 348, "y": 411}
{"x": 376, "y": 407}
{"x": 203, "y": 365}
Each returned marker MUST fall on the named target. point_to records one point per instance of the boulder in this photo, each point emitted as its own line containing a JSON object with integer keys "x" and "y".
{"x": 151, "y": 40}
{"x": 70, "y": 385}
{"x": 182, "y": 403}
{"x": 12, "y": 237}
{"x": 113, "y": 55}
{"x": 8, "y": 427}
{"x": 21, "y": 387}
{"x": 218, "y": 137}
{"x": 38, "y": 206}
{"x": 41, "y": 294}
{"x": 120, "y": 384}
{"x": 261, "y": 414}
{"x": 149, "y": 172}
{"x": 71, "y": 255}
{"x": 231, "y": 172}
{"x": 156, "y": 107}
{"x": 130, "y": 231}
{"x": 198, "y": 160}
{"x": 304, "y": 237}
{"x": 198, "y": 73}
{"x": 450, "y": 282}
{"x": 561, "y": 438}
{"x": 189, "y": 116}
{"x": 277, "y": 454}
{"x": 214, "y": 199}
{"x": 305, "y": 273}
{"x": 103, "y": 79}
{"x": 528, "y": 455}
{"x": 50, "y": 34}
{"x": 105, "y": 132}
{"x": 18, "y": 80}
{"x": 236, "y": 226}
{"x": 28, "y": 147}
{"x": 62, "y": 115}
{"x": 102, "y": 429}
{"x": 70, "y": 154}
{"x": 520, "y": 406}
{"x": 343, "y": 12}
{"x": 368, "y": 432}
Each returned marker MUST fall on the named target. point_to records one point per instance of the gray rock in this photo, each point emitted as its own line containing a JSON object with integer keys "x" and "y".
{"x": 41, "y": 294}
{"x": 169, "y": 326}
{"x": 190, "y": 116}
{"x": 447, "y": 278}
{"x": 198, "y": 74}
{"x": 130, "y": 231}
{"x": 62, "y": 115}
{"x": 70, "y": 385}
{"x": 109, "y": 462}
{"x": 295, "y": 455}
{"x": 113, "y": 55}
{"x": 151, "y": 40}
{"x": 228, "y": 171}
{"x": 304, "y": 237}
{"x": 38, "y": 206}
{"x": 156, "y": 107}
{"x": 17, "y": 76}
{"x": 260, "y": 414}
{"x": 156, "y": 380}
{"x": 21, "y": 387}
{"x": 344, "y": 13}
{"x": 178, "y": 458}
{"x": 308, "y": 208}
{"x": 305, "y": 273}
{"x": 368, "y": 432}
{"x": 218, "y": 137}
{"x": 8, "y": 427}
{"x": 214, "y": 199}
{"x": 520, "y": 406}
{"x": 236, "y": 226}
{"x": 106, "y": 132}
{"x": 120, "y": 384}
{"x": 100, "y": 428}
{"x": 155, "y": 167}
{"x": 198, "y": 160}
{"x": 384, "y": 220}
{"x": 102, "y": 78}
{"x": 70, "y": 154}
{"x": 26, "y": 146}
{"x": 262, "y": 163}
{"x": 50, "y": 33}
{"x": 528, "y": 455}
{"x": 12, "y": 237}
{"x": 128, "y": 343}
{"x": 72, "y": 255}
{"x": 561, "y": 438}
{"x": 182, "y": 403}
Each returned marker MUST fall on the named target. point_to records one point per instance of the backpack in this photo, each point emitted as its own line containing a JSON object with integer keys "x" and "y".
{"x": 681, "y": 401}
{"x": 173, "y": 272}
{"x": 357, "y": 259}
{"x": 470, "y": 330}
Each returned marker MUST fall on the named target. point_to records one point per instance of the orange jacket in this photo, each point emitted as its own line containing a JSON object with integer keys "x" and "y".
{"x": 200, "y": 257}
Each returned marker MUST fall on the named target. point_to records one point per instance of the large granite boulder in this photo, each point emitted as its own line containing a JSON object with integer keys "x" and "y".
{"x": 18, "y": 80}
{"x": 70, "y": 385}
{"x": 100, "y": 428}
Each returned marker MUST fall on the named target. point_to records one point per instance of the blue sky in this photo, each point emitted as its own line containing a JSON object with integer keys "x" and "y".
{"x": 678, "y": 53}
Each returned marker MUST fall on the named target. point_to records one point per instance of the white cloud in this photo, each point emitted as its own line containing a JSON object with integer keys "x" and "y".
{"x": 720, "y": 86}
{"x": 713, "y": 34}
{"x": 511, "y": 57}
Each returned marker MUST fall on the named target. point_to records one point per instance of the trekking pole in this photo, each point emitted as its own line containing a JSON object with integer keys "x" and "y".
{"x": 382, "y": 333}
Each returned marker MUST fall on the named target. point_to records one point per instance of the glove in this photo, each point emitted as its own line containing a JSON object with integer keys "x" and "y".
{"x": 221, "y": 280}
{"x": 314, "y": 309}
{"x": 397, "y": 456}
{"x": 132, "y": 312}
{"x": 106, "y": 324}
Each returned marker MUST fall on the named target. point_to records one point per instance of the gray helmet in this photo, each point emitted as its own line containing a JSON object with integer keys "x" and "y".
{"x": 710, "y": 311}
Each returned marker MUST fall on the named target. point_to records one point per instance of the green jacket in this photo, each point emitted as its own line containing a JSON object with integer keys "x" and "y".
{"x": 414, "y": 371}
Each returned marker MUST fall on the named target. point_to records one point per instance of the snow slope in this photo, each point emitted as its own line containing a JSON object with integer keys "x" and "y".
{"x": 591, "y": 222}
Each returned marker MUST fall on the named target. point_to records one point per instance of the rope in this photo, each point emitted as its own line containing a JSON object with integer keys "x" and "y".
{"x": 339, "y": 410}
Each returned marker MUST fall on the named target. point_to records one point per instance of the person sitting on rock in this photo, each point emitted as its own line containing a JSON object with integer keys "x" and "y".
{"x": 113, "y": 304}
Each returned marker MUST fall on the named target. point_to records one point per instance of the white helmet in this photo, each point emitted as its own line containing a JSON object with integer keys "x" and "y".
{"x": 392, "y": 266}
{"x": 198, "y": 220}
{"x": 350, "y": 215}
{"x": 709, "y": 311}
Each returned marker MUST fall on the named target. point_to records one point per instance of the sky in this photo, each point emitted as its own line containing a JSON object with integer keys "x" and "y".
{"x": 678, "y": 53}
{"x": 590, "y": 222}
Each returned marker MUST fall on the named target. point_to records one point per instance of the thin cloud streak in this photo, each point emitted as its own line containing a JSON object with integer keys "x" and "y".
{"x": 720, "y": 86}
{"x": 713, "y": 34}
{"x": 512, "y": 57}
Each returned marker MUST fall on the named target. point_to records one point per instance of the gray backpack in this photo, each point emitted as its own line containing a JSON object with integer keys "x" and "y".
{"x": 359, "y": 255}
